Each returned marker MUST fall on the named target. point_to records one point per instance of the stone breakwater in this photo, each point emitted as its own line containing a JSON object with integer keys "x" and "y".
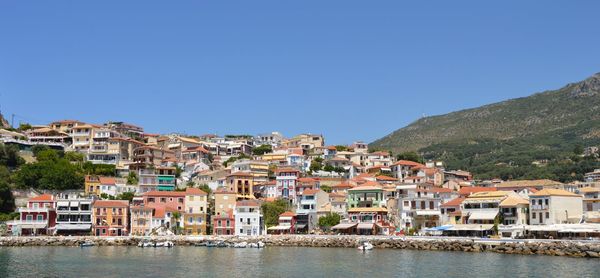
{"x": 590, "y": 249}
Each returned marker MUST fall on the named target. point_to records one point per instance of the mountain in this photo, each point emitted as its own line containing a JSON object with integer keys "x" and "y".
{"x": 543, "y": 126}
{"x": 3, "y": 122}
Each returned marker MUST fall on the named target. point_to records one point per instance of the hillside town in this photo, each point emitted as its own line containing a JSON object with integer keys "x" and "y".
{"x": 247, "y": 185}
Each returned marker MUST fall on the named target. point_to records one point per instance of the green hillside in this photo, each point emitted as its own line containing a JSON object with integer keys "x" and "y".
{"x": 547, "y": 127}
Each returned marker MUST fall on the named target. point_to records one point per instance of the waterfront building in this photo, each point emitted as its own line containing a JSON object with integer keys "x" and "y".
{"x": 248, "y": 218}
{"x": 174, "y": 199}
{"x": 38, "y": 218}
{"x": 451, "y": 212}
{"x": 224, "y": 223}
{"x": 73, "y": 215}
{"x": 555, "y": 206}
{"x": 286, "y": 224}
{"x": 196, "y": 211}
{"x": 310, "y": 202}
{"x": 418, "y": 208}
{"x": 224, "y": 201}
{"x": 111, "y": 217}
{"x": 141, "y": 219}
{"x": 515, "y": 213}
{"x": 591, "y": 204}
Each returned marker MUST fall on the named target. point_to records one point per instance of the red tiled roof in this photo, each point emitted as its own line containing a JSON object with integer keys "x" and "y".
{"x": 194, "y": 191}
{"x": 440, "y": 190}
{"x": 165, "y": 193}
{"x": 310, "y": 191}
{"x": 107, "y": 180}
{"x": 454, "y": 202}
{"x": 385, "y": 178}
{"x": 342, "y": 185}
{"x": 287, "y": 214}
{"x": 43, "y": 197}
{"x": 110, "y": 203}
{"x": 311, "y": 180}
{"x": 279, "y": 170}
{"x": 473, "y": 189}
{"x": 408, "y": 163}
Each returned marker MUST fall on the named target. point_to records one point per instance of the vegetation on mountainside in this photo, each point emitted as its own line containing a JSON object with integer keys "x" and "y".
{"x": 540, "y": 136}
{"x": 329, "y": 220}
{"x": 272, "y": 210}
{"x": 411, "y": 156}
{"x": 234, "y": 158}
{"x": 262, "y": 149}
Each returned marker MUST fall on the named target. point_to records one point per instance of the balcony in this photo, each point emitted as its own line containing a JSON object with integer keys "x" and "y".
{"x": 35, "y": 209}
{"x": 539, "y": 207}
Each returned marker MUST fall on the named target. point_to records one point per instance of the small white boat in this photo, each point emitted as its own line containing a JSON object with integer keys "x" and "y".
{"x": 168, "y": 244}
{"x": 241, "y": 245}
{"x": 365, "y": 246}
{"x": 87, "y": 244}
{"x": 260, "y": 244}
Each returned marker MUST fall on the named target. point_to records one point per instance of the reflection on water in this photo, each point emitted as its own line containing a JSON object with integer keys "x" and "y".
{"x": 279, "y": 261}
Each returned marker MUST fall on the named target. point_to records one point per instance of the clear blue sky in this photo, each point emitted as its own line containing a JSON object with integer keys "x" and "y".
{"x": 351, "y": 70}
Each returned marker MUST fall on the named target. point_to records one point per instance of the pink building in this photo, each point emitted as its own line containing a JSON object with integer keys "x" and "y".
{"x": 38, "y": 218}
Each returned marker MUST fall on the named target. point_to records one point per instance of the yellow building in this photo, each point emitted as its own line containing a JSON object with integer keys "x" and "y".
{"x": 196, "y": 207}
{"x": 224, "y": 201}
{"x": 110, "y": 218}
{"x": 242, "y": 184}
{"x": 92, "y": 185}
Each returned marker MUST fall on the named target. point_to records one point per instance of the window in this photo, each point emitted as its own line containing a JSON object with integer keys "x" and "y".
{"x": 533, "y": 215}
{"x": 191, "y": 220}
{"x": 546, "y": 200}
{"x": 547, "y": 215}
{"x": 40, "y": 217}
{"x": 241, "y": 231}
{"x": 29, "y": 217}
{"x": 430, "y": 204}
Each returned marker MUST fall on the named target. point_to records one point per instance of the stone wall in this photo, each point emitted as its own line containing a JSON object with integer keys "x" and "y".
{"x": 589, "y": 249}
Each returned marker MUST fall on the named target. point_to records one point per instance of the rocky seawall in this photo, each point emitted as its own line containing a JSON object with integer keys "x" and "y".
{"x": 587, "y": 249}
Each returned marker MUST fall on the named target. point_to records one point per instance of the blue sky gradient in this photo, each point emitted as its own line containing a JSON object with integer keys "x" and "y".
{"x": 351, "y": 70}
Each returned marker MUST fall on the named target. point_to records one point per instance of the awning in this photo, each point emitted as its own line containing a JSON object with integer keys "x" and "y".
{"x": 471, "y": 227}
{"x": 62, "y": 203}
{"x": 483, "y": 215}
{"x": 428, "y": 212}
{"x": 300, "y": 226}
{"x": 279, "y": 228}
{"x": 33, "y": 226}
{"x": 285, "y": 217}
{"x": 343, "y": 226}
{"x": 71, "y": 227}
{"x": 74, "y": 204}
{"x": 365, "y": 226}
{"x": 439, "y": 228}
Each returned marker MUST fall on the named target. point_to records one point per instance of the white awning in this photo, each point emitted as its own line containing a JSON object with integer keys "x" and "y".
{"x": 73, "y": 226}
{"x": 471, "y": 227}
{"x": 62, "y": 203}
{"x": 343, "y": 226}
{"x": 33, "y": 226}
{"x": 279, "y": 228}
{"x": 74, "y": 203}
{"x": 366, "y": 226}
{"x": 428, "y": 212}
{"x": 285, "y": 217}
{"x": 483, "y": 215}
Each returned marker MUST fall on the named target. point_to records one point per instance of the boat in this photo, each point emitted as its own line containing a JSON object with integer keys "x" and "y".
{"x": 200, "y": 244}
{"x": 241, "y": 245}
{"x": 365, "y": 246}
{"x": 261, "y": 244}
{"x": 216, "y": 244}
{"x": 168, "y": 244}
{"x": 86, "y": 244}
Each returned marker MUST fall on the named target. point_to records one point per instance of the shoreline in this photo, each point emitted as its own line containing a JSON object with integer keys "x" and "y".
{"x": 581, "y": 249}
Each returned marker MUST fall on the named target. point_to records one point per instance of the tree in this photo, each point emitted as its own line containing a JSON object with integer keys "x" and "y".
{"x": 176, "y": 216}
{"x": 326, "y": 188}
{"x": 24, "y": 127}
{"x": 262, "y": 149}
{"x": 341, "y": 148}
{"x": 578, "y": 149}
{"x": 7, "y": 200}
{"x": 234, "y": 158}
{"x": 132, "y": 178}
{"x": 328, "y": 168}
{"x": 411, "y": 156}
{"x": 126, "y": 196}
{"x": 330, "y": 220}
{"x": 315, "y": 166}
{"x": 9, "y": 156}
{"x": 190, "y": 183}
{"x": 51, "y": 174}
{"x": 178, "y": 171}
{"x": 204, "y": 187}
{"x": 272, "y": 210}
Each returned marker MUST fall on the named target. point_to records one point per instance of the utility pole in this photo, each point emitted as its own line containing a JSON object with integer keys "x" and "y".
{"x": 12, "y": 120}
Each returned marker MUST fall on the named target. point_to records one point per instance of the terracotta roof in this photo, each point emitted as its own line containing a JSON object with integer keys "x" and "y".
{"x": 407, "y": 163}
{"x": 240, "y": 174}
{"x": 310, "y": 191}
{"x": 194, "y": 191}
{"x": 342, "y": 185}
{"x": 589, "y": 189}
{"x": 386, "y": 178}
{"x": 165, "y": 193}
{"x": 336, "y": 194}
{"x": 107, "y": 180}
{"x": 554, "y": 192}
{"x": 287, "y": 214}
{"x": 512, "y": 201}
{"x": 43, "y": 197}
{"x": 279, "y": 170}
{"x": 110, "y": 203}
{"x": 454, "y": 202}
{"x": 366, "y": 187}
{"x": 196, "y": 149}
{"x": 311, "y": 180}
{"x": 473, "y": 189}
{"x": 371, "y": 209}
{"x": 440, "y": 190}
{"x": 380, "y": 153}
{"x": 160, "y": 210}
